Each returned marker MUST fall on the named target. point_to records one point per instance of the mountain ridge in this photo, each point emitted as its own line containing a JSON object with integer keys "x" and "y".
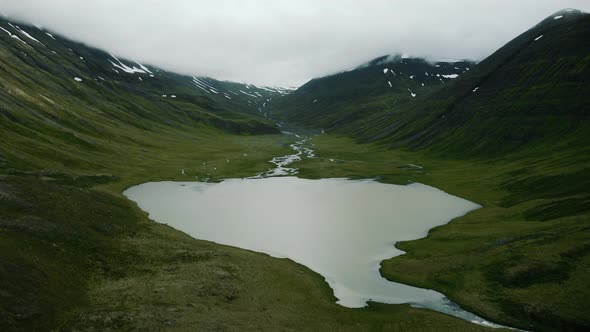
{"x": 74, "y": 95}
{"x": 324, "y": 102}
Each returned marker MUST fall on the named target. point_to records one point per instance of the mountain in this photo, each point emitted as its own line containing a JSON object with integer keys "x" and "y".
{"x": 366, "y": 91}
{"x": 511, "y": 133}
{"x": 65, "y": 96}
{"x": 532, "y": 91}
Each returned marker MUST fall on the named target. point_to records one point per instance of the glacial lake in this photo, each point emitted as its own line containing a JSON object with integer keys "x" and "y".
{"x": 339, "y": 228}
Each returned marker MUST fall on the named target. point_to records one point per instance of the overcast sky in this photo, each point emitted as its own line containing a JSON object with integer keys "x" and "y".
{"x": 277, "y": 42}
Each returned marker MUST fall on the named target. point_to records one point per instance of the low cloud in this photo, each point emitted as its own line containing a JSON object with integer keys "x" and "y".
{"x": 277, "y": 42}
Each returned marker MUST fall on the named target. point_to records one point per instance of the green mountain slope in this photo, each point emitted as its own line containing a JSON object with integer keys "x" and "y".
{"x": 65, "y": 96}
{"x": 365, "y": 92}
{"x": 531, "y": 92}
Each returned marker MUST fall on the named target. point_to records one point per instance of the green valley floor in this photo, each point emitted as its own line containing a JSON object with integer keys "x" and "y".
{"x": 77, "y": 255}
{"x": 80, "y": 256}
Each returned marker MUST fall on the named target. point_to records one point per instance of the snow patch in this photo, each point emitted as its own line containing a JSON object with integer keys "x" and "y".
{"x": 558, "y": 17}
{"x": 14, "y": 36}
{"x": 541, "y": 36}
{"x": 385, "y": 70}
{"x": 24, "y": 33}
{"x": 248, "y": 94}
{"x": 144, "y": 68}
{"x": 50, "y": 36}
{"x": 450, "y": 76}
{"x": 477, "y": 88}
{"x": 77, "y": 79}
{"x": 200, "y": 85}
{"x": 29, "y": 36}
{"x": 125, "y": 68}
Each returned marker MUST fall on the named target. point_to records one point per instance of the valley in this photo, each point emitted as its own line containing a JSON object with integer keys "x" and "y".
{"x": 80, "y": 126}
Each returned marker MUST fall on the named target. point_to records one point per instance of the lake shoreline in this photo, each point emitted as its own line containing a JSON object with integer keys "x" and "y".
{"x": 447, "y": 307}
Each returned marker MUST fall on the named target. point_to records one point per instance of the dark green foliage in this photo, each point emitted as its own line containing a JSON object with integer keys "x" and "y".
{"x": 563, "y": 208}
{"x": 55, "y": 237}
{"x": 568, "y": 193}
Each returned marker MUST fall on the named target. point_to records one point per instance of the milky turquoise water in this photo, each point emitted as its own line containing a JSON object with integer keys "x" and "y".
{"x": 339, "y": 228}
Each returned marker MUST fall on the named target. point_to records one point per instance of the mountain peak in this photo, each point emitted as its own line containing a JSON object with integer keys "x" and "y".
{"x": 559, "y": 17}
